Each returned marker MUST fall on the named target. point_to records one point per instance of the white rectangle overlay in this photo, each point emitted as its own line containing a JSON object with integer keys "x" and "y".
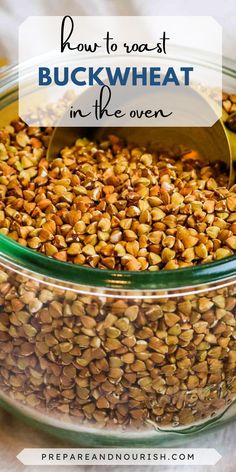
{"x": 148, "y": 66}
{"x": 119, "y": 456}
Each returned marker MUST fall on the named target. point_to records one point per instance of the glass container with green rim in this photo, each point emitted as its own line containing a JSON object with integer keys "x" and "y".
{"x": 106, "y": 357}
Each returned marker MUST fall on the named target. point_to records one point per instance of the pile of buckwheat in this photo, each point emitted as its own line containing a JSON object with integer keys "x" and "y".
{"x": 113, "y": 362}
{"x": 110, "y": 361}
{"x": 113, "y": 205}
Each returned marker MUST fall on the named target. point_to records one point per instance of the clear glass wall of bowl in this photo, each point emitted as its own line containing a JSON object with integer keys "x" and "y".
{"x": 114, "y": 360}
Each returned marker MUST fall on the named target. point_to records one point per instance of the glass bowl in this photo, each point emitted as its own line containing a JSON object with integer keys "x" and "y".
{"x": 103, "y": 357}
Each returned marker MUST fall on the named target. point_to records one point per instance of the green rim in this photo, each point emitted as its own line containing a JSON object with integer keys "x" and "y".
{"x": 179, "y": 278}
